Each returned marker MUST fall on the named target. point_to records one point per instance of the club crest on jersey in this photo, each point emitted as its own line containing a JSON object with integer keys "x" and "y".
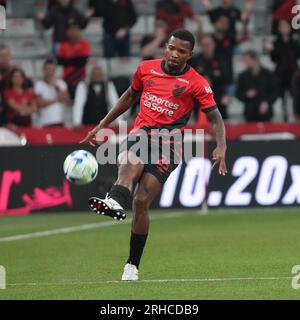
{"x": 178, "y": 91}
{"x": 150, "y": 83}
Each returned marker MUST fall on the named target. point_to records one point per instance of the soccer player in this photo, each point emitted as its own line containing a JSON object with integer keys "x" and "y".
{"x": 168, "y": 89}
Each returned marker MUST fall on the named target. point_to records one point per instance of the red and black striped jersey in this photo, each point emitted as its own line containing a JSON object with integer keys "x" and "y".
{"x": 167, "y": 100}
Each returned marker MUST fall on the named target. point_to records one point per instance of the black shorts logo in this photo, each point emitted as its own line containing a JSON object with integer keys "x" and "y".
{"x": 163, "y": 164}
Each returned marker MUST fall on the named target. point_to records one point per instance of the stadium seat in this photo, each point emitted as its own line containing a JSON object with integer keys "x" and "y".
{"x": 8, "y": 9}
{"x": 144, "y": 7}
{"x": 235, "y": 111}
{"x": 93, "y": 29}
{"x": 254, "y": 43}
{"x": 96, "y": 46}
{"x": 17, "y": 28}
{"x": 94, "y": 35}
{"x": 139, "y": 27}
{"x": 238, "y": 65}
{"x": 123, "y": 66}
{"x": 27, "y": 66}
{"x": 47, "y": 36}
{"x": 9, "y": 138}
{"x": 103, "y": 63}
{"x": 150, "y": 22}
{"x": 267, "y": 62}
{"x": 22, "y": 9}
{"x": 81, "y": 4}
{"x": 28, "y": 48}
{"x": 193, "y": 26}
{"x": 38, "y": 68}
{"x": 138, "y": 31}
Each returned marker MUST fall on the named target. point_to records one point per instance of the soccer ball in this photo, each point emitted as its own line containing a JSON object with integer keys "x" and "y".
{"x": 80, "y": 167}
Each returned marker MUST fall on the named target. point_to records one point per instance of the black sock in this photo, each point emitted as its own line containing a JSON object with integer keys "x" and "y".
{"x": 121, "y": 194}
{"x": 137, "y": 244}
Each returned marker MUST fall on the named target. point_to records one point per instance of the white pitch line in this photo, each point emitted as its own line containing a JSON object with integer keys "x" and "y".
{"x": 40, "y": 284}
{"x": 90, "y": 226}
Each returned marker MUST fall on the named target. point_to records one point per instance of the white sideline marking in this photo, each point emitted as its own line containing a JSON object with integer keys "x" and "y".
{"x": 81, "y": 227}
{"x": 148, "y": 281}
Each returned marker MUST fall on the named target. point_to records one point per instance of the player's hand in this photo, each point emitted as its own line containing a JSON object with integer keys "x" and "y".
{"x": 219, "y": 160}
{"x": 264, "y": 107}
{"x": 121, "y": 33}
{"x": 40, "y": 15}
{"x": 160, "y": 31}
{"x": 245, "y": 17}
{"x": 268, "y": 45}
{"x": 252, "y": 93}
{"x": 89, "y": 12}
{"x": 225, "y": 100}
{"x": 90, "y": 137}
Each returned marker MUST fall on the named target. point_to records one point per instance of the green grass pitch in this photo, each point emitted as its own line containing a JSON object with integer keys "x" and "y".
{"x": 237, "y": 255}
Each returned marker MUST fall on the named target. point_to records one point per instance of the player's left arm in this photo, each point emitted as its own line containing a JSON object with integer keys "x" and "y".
{"x": 219, "y": 153}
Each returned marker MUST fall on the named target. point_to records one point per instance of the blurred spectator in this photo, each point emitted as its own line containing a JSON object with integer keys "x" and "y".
{"x": 228, "y": 10}
{"x": 5, "y": 64}
{"x": 173, "y": 13}
{"x": 52, "y": 3}
{"x": 226, "y": 44}
{"x": 118, "y": 18}
{"x": 285, "y": 52}
{"x": 281, "y": 9}
{"x": 152, "y": 45}
{"x": 58, "y": 17}
{"x": 19, "y": 100}
{"x": 93, "y": 99}
{"x": 296, "y": 96}
{"x": 214, "y": 69}
{"x": 3, "y": 3}
{"x": 52, "y": 97}
{"x": 258, "y": 88}
{"x": 121, "y": 83}
{"x": 5, "y": 68}
{"x": 73, "y": 54}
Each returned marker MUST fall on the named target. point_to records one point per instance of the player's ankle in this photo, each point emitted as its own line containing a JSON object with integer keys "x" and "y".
{"x": 120, "y": 194}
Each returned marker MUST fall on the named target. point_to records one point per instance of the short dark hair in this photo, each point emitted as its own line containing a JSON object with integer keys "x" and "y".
{"x": 251, "y": 54}
{"x": 72, "y": 23}
{"x": 184, "y": 35}
{"x": 50, "y": 60}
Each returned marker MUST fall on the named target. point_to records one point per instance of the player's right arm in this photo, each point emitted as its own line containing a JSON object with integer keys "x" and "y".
{"x": 124, "y": 103}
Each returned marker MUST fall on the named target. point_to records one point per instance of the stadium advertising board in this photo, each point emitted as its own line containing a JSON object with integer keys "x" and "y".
{"x": 261, "y": 174}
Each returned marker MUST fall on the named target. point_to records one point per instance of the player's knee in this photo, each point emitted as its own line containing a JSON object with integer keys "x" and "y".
{"x": 129, "y": 158}
{"x": 140, "y": 202}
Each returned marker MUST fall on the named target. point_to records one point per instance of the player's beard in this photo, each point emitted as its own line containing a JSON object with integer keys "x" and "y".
{"x": 174, "y": 67}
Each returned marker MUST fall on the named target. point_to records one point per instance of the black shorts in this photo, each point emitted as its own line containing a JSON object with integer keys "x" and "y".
{"x": 160, "y": 151}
